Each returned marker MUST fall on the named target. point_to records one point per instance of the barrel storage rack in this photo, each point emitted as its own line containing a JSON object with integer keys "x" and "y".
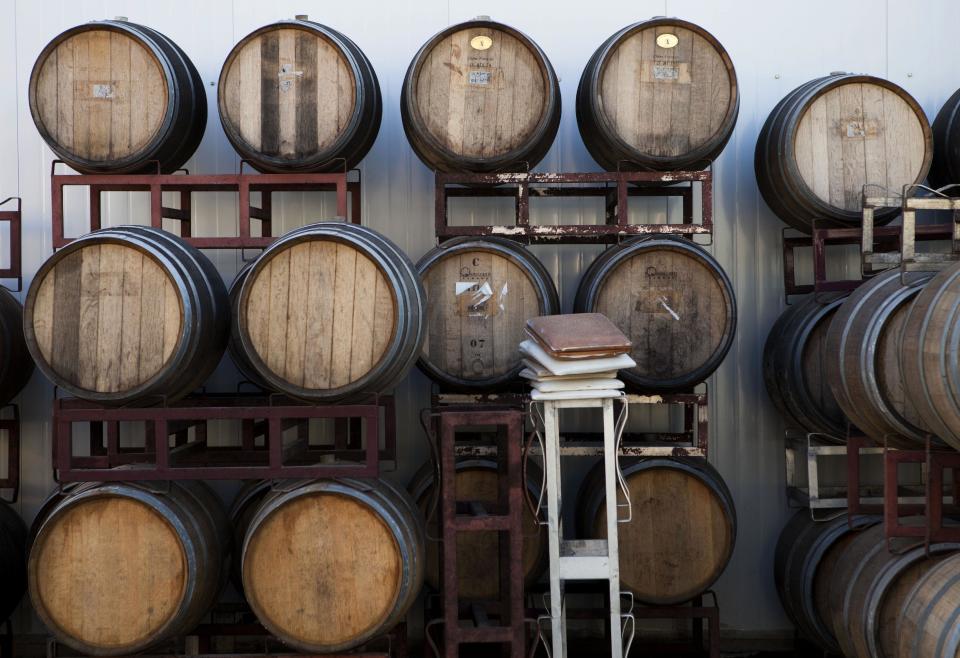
{"x": 616, "y": 188}
{"x": 10, "y": 414}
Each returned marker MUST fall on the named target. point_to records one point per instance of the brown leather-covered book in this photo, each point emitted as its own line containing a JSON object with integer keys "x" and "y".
{"x": 578, "y": 335}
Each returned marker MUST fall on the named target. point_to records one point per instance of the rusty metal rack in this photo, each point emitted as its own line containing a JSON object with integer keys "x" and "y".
{"x": 507, "y": 624}
{"x": 185, "y": 185}
{"x": 13, "y": 219}
{"x": 936, "y": 462}
{"x": 267, "y": 417}
{"x": 615, "y": 187}
{"x": 10, "y": 429}
{"x": 909, "y": 203}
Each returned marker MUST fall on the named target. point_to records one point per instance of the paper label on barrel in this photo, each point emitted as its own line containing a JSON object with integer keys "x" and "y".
{"x": 665, "y": 69}
{"x": 479, "y": 78}
{"x": 288, "y": 76}
{"x": 480, "y": 299}
{"x": 660, "y": 296}
{"x": 858, "y": 128}
{"x": 666, "y": 72}
{"x": 102, "y": 91}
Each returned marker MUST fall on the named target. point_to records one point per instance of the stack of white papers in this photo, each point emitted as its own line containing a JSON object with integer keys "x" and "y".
{"x": 571, "y": 379}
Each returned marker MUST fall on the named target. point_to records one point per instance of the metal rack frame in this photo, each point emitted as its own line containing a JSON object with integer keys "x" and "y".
{"x": 11, "y": 427}
{"x": 13, "y": 218}
{"x": 936, "y": 462}
{"x": 908, "y": 203}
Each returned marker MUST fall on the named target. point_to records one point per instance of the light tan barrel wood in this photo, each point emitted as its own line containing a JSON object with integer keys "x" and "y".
{"x": 320, "y": 314}
{"x": 928, "y": 619}
{"x": 107, "y": 317}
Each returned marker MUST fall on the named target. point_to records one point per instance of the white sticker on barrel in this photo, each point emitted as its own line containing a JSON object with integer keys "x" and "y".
{"x": 479, "y": 78}
{"x": 666, "y": 72}
{"x": 667, "y": 40}
{"x": 102, "y": 91}
{"x": 474, "y": 298}
{"x": 287, "y": 77}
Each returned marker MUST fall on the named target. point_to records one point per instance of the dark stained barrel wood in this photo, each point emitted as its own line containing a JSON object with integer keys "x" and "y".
{"x": 831, "y": 136}
{"x": 930, "y": 354}
{"x": 329, "y": 564}
{"x": 328, "y": 312}
{"x": 672, "y": 299}
{"x": 126, "y": 314}
{"x": 863, "y": 359}
{"x": 683, "y": 529}
{"x": 660, "y": 94}
{"x": 480, "y": 97}
{"x": 116, "y": 568}
{"x": 477, "y": 552}
{"x": 16, "y": 364}
{"x": 480, "y": 294}
{"x": 299, "y": 96}
{"x": 945, "y": 168}
{"x": 116, "y": 97}
{"x": 928, "y": 620}
{"x": 794, "y": 365}
{"x": 13, "y": 567}
{"x": 804, "y": 567}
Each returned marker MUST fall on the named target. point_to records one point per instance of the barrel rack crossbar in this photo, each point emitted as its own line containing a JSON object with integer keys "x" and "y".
{"x": 184, "y": 185}
{"x": 936, "y": 462}
{"x": 615, "y": 187}
{"x": 12, "y": 217}
{"x": 168, "y": 453}
{"x": 10, "y": 437}
{"x": 908, "y": 203}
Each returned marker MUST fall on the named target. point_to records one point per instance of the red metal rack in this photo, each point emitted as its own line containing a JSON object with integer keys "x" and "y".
{"x": 186, "y": 184}
{"x": 13, "y": 219}
{"x": 10, "y": 429}
{"x": 937, "y": 461}
{"x": 260, "y": 416}
{"x": 615, "y": 187}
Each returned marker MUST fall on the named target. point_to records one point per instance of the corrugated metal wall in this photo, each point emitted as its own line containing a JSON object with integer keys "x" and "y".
{"x": 775, "y": 46}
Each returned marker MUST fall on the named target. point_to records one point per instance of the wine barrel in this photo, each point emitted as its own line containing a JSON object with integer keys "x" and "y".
{"x": 660, "y": 94}
{"x": 831, "y": 136}
{"x": 297, "y": 96}
{"x": 871, "y": 582}
{"x": 672, "y": 299}
{"x": 928, "y": 620}
{"x": 480, "y": 97}
{"x": 794, "y": 362}
{"x": 945, "y": 168}
{"x": 930, "y": 355}
{"x": 13, "y": 568}
{"x": 127, "y": 314}
{"x": 863, "y": 358}
{"x": 804, "y": 567}
{"x": 116, "y": 568}
{"x": 116, "y": 97}
{"x": 16, "y": 366}
{"x": 350, "y": 297}
{"x": 480, "y": 294}
{"x": 330, "y": 564}
{"x": 477, "y": 552}
{"x": 683, "y": 529}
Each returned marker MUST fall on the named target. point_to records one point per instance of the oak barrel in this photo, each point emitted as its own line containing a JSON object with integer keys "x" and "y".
{"x": 863, "y": 358}
{"x": 477, "y": 552}
{"x": 16, "y": 365}
{"x": 297, "y": 96}
{"x": 330, "y": 564}
{"x": 127, "y": 314}
{"x": 794, "y": 365}
{"x": 682, "y": 531}
{"x": 804, "y": 567}
{"x": 328, "y": 312}
{"x": 13, "y": 568}
{"x": 116, "y": 568}
{"x": 480, "y": 97}
{"x": 871, "y": 582}
{"x": 831, "y": 136}
{"x": 116, "y": 97}
{"x": 930, "y": 615}
{"x": 945, "y": 168}
{"x": 480, "y": 294}
{"x": 672, "y": 299}
{"x": 661, "y": 94}
{"x": 930, "y": 354}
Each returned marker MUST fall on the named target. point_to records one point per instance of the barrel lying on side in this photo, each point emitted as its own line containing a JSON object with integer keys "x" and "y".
{"x": 682, "y": 532}
{"x": 930, "y": 354}
{"x": 794, "y": 366}
{"x": 127, "y": 314}
{"x": 116, "y": 568}
{"x": 478, "y": 553}
{"x": 480, "y": 97}
{"x": 927, "y": 624}
{"x": 945, "y": 168}
{"x": 329, "y": 564}
{"x": 831, "y": 136}
{"x": 804, "y": 567}
{"x": 863, "y": 358}
{"x": 16, "y": 365}
{"x": 13, "y": 568}
{"x": 672, "y": 299}
{"x": 480, "y": 294}
{"x": 661, "y": 94}
{"x": 299, "y": 96}
{"x": 116, "y": 97}
{"x": 328, "y": 312}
